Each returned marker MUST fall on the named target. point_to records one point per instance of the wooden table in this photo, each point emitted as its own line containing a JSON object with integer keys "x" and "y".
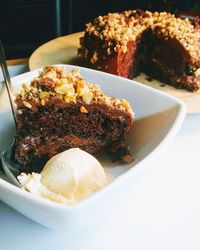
{"x": 17, "y": 61}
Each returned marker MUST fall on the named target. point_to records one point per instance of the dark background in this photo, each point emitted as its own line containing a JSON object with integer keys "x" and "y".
{"x": 26, "y": 24}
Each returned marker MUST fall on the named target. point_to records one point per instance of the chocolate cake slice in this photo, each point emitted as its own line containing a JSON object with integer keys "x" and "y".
{"x": 61, "y": 110}
{"x": 160, "y": 44}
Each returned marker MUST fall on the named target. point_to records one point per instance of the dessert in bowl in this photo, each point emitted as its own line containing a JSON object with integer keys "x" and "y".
{"x": 154, "y": 127}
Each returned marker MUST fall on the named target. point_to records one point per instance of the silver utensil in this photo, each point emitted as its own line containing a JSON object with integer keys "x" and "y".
{"x": 7, "y": 80}
{"x": 10, "y": 168}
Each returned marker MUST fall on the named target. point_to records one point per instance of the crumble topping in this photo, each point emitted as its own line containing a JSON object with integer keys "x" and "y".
{"x": 117, "y": 29}
{"x": 197, "y": 72}
{"x": 56, "y": 83}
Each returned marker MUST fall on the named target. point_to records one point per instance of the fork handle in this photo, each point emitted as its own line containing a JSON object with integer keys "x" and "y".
{"x": 7, "y": 80}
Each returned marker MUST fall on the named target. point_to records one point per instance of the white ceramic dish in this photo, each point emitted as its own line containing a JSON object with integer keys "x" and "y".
{"x": 158, "y": 119}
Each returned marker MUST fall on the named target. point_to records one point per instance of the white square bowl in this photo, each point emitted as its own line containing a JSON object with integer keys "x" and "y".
{"x": 158, "y": 118}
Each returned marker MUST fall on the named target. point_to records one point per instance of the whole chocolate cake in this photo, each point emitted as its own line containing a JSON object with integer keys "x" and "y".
{"x": 61, "y": 110}
{"x": 162, "y": 45}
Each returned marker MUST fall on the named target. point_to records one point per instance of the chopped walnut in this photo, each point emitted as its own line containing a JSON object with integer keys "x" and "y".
{"x": 87, "y": 98}
{"x": 83, "y": 109}
{"x": 27, "y": 104}
{"x": 67, "y": 87}
{"x": 197, "y": 72}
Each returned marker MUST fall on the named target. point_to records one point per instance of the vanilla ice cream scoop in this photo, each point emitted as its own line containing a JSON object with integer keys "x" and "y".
{"x": 67, "y": 177}
{"x": 74, "y": 174}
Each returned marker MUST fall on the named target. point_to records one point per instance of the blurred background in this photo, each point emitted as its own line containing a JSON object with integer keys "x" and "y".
{"x": 26, "y": 24}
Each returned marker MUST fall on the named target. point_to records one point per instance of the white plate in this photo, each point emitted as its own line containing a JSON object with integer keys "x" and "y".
{"x": 158, "y": 119}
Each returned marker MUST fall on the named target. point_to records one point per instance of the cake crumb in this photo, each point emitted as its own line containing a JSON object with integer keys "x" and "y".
{"x": 127, "y": 158}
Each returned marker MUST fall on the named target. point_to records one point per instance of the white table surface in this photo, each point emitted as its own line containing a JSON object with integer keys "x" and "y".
{"x": 161, "y": 212}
